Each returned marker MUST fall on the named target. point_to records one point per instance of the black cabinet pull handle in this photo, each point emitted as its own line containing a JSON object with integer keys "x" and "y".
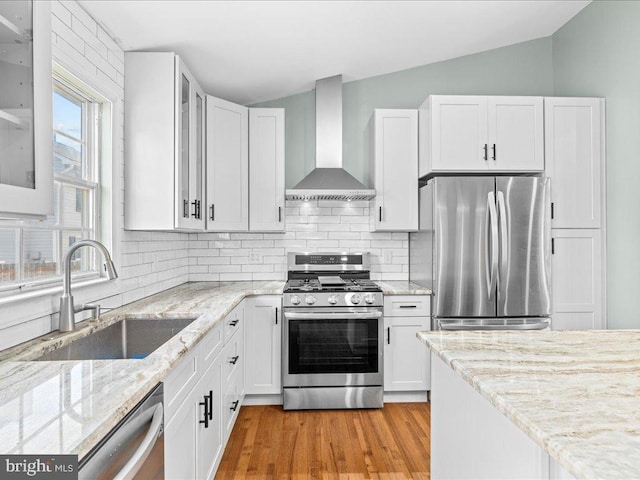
{"x": 235, "y": 405}
{"x": 234, "y": 360}
{"x": 196, "y": 209}
{"x": 408, "y": 306}
{"x": 279, "y": 214}
{"x": 235, "y": 322}
{"x": 551, "y": 210}
{"x": 553, "y": 246}
{"x": 185, "y": 208}
{"x": 494, "y": 152}
{"x": 380, "y": 214}
{"x": 210, "y": 404}
{"x": 212, "y": 212}
{"x": 388, "y": 335}
{"x": 485, "y": 152}
{"x": 276, "y": 315}
{"x": 207, "y": 413}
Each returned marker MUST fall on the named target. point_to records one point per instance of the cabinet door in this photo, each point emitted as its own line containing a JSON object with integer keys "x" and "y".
{"x": 574, "y": 160}
{"x": 577, "y": 283}
{"x": 263, "y": 340}
{"x": 266, "y": 169}
{"x": 395, "y": 168}
{"x": 211, "y": 449}
{"x": 406, "y": 361}
{"x": 459, "y": 133}
{"x": 181, "y": 441}
{"x": 187, "y": 149}
{"x": 26, "y": 166}
{"x": 227, "y": 166}
{"x": 516, "y": 131}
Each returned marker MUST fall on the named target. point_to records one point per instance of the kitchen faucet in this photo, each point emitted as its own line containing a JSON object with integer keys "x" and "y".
{"x": 67, "y": 321}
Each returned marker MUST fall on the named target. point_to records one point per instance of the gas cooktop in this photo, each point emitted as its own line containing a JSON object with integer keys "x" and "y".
{"x": 314, "y": 285}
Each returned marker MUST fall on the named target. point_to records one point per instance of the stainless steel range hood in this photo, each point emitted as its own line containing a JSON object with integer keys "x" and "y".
{"x": 329, "y": 181}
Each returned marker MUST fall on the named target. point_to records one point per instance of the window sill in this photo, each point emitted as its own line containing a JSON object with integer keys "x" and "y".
{"x": 50, "y": 291}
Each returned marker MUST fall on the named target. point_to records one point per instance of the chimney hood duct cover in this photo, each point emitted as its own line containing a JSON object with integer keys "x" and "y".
{"x": 329, "y": 181}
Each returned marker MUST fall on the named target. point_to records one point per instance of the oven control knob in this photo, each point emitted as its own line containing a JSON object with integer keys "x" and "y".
{"x": 369, "y": 299}
{"x": 310, "y": 299}
{"x": 295, "y": 300}
{"x": 356, "y": 298}
{"x": 333, "y": 299}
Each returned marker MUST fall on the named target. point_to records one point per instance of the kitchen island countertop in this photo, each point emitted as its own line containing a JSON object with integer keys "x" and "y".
{"x": 66, "y": 407}
{"x": 575, "y": 393}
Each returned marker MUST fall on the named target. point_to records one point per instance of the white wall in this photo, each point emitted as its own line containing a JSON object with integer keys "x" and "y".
{"x": 312, "y": 226}
{"x": 147, "y": 262}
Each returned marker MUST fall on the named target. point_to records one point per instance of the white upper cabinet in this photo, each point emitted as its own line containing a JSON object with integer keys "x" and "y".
{"x": 516, "y": 134}
{"x": 479, "y": 134}
{"x": 227, "y": 184}
{"x": 394, "y": 169}
{"x": 164, "y": 144}
{"x": 574, "y": 160}
{"x": 26, "y": 154}
{"x": 266, "y": 169}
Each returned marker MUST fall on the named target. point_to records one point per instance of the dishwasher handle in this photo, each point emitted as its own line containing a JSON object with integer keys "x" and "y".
{"x": 138, "y": 458}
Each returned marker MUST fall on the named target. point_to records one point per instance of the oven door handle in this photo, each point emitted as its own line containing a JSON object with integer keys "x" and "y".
{"x": 330, "y": 315}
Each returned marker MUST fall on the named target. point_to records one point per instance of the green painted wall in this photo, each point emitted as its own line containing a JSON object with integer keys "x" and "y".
{"x": 597, "y": 54}
{"x": 521, "y": 69}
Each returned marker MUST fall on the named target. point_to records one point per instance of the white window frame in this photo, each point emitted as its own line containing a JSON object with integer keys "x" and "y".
{"x": 101, "y": 214}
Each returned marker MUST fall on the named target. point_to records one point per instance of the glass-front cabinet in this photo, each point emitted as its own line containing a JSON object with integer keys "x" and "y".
{"x": 164, "y": 144}
{"x": 26, "y": 166}
{"x": 190, "y": 148}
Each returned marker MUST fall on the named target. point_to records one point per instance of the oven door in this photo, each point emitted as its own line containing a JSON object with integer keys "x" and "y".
{"x": 324, "y": 347}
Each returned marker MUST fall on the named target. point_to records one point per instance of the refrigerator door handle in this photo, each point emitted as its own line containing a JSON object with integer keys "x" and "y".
{"x": 504, "y": 240}
{"x": 493, "y": 243}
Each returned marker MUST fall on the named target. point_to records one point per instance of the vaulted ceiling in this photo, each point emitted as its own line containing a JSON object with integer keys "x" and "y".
{"x": 250, "y": 51}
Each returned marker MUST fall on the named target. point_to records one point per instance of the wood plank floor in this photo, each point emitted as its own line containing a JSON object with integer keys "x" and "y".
{"x": 268, "y": 443}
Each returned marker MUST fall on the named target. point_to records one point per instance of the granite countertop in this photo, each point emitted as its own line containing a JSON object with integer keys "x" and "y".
{"x": 67, "y": 407}
{"x": 575, "y": 393}
{"x": 402, "y": 288}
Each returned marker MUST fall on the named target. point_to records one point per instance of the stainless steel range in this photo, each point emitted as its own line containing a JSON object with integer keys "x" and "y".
{"x": 333, "y": 333}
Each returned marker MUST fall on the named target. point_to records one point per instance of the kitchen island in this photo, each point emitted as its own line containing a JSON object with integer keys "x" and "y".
{"x": 547, "y": 404}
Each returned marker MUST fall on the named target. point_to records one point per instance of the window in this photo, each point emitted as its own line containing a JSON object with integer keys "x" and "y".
{"x": 32, "y": 251}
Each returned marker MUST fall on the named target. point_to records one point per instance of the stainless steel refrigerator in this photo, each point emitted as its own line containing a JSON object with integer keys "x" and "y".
{"x": 484, "y": 248}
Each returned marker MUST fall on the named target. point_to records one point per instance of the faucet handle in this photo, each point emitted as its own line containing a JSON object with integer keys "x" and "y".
{"x": 97, "y": 310}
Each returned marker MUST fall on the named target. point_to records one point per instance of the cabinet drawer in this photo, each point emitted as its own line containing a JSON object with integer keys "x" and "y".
{"x": 180, "y": 381}
{"x": 232, "y": 359}
{"x": 233, "y": 322}
{"x": 211, "y": 345}
{"x": 407, "y": 305}
{"x": 231, "y": 402}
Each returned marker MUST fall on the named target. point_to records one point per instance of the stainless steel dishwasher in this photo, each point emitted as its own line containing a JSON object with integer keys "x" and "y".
{"x": 132, "y": 449}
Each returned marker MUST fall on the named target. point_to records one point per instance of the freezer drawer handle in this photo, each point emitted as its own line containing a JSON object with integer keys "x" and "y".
{"x": 138, "y": 458}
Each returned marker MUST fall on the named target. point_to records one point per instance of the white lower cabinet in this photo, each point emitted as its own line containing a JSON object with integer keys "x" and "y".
{"x": 577, "y": 279}
{"x": 198, "y": 423}
{"x": 263, "y": 344}
{"x": 406, "y": 360}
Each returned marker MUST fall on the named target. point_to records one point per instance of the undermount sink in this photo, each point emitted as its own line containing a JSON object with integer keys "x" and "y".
{"x": 131, "y": 338}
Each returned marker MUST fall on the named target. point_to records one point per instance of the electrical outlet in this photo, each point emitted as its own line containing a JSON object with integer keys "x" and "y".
{"x": 255, "y": 257}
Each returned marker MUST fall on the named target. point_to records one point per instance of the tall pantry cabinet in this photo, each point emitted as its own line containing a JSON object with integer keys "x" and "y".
{"x": 574, "y": 151}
